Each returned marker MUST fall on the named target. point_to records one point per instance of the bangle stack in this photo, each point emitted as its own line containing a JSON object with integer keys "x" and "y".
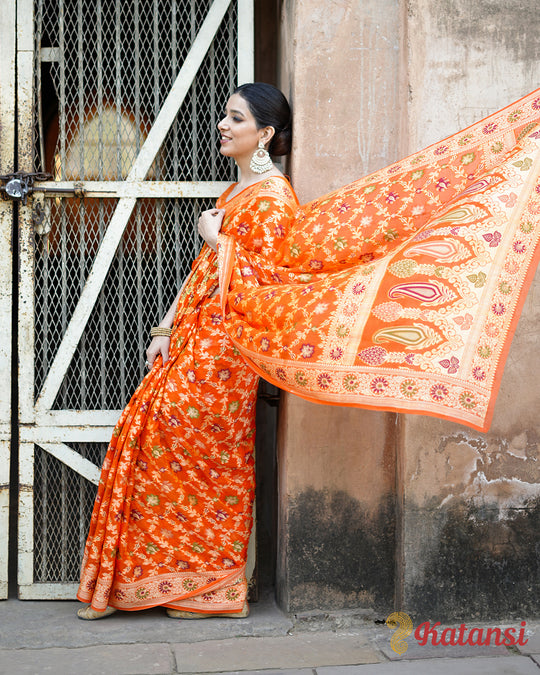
{"x": 160, "y": 330}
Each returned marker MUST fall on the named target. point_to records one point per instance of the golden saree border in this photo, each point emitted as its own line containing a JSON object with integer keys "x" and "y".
{"x": 213, "y": 591}
{"x": 401, "y": 291}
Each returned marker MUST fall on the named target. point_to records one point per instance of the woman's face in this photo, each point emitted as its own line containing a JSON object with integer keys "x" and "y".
{"x": 239, "y": 134}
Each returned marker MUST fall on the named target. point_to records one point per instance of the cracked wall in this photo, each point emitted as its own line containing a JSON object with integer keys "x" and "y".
{"x": 449, "y": 516}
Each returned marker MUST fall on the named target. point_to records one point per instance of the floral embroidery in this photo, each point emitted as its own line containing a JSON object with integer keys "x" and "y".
{"x": 409, "y": 388}
{"x": 467, "y": 400}
{"x": 378, "y": 385}
{"x": 484, "y": 351}
{"x": 464, "y": 322}
{"x": 350, "y": 382}
{"x": 307, "y": 350}
{"x": 324, "y": 380}
{"x": 494, "y": 238}
{"x": 165, "y": 587}
{"x": 300, "y": 378}
{"x": 451, "y": 365}
{"x": 479, "y": 374}
{"x": 438, "y": 392}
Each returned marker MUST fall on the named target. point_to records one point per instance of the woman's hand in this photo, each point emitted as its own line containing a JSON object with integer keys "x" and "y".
{"x": 209, "y": 226}
{"x": 158, "y": 346}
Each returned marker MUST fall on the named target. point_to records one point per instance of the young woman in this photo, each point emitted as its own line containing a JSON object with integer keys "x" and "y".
{"x": 400, "y": 291}
{"x": 173, "y": 514}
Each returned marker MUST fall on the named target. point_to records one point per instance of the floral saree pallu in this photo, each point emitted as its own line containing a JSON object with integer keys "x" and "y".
{"x": 402, "y": 290}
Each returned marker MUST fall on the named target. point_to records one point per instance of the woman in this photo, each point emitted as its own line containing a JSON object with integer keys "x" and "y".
{"x": 400, "y": 291}
{"x": 173, "y": 514}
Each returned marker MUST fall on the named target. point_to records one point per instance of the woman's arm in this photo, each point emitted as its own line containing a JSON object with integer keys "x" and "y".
{"x": 209, "y": 225}
{"x": 160, "y": 344}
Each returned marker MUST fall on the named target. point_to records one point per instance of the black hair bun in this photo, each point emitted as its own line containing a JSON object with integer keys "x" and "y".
{"x": 270, "y": 108}
{"x": 281, "y": 142}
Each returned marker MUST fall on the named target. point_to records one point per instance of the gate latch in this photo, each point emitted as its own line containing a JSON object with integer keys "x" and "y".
{"x": 20, "y": 184}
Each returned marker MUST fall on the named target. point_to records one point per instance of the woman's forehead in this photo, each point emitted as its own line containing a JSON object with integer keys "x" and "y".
{"x": 239, "y": 104}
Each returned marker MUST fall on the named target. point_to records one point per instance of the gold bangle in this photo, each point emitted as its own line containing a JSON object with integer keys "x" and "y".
{"x": 161, "y": 331}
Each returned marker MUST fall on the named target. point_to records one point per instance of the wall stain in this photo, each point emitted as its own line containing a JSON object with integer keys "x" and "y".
{"x": 485, "y": 22}
{"x": 339, "y": 556}
{"x": 485, "y": 567}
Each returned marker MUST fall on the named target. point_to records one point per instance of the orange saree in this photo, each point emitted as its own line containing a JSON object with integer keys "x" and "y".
{"x": 402, "y": 290}
{"x": 173, "y": 514}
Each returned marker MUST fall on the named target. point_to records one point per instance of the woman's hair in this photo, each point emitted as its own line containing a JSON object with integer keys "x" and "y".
{"x": 270, "y": 109}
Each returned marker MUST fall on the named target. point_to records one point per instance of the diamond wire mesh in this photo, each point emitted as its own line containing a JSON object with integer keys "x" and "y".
{"x": 97, "y": 102}
{"x": 62, "y": 517}
{"x": 118, "y": 62}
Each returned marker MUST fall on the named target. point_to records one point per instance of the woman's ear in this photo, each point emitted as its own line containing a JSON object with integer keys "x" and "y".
{"x": 267, "y": 134}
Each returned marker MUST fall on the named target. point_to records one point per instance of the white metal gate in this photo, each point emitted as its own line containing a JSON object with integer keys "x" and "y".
{"x": 119, "y": 101}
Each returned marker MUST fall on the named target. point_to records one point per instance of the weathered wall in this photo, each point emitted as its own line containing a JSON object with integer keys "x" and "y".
{"x": 337, "y": 465}
{"x": 373, "y": 506}
{"x": 471, "y": 501}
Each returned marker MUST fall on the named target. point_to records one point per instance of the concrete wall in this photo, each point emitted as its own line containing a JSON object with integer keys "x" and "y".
{"x": 379, "y": 510}
{"x": 337, "y": 469}
{"x": 471, "y": 501}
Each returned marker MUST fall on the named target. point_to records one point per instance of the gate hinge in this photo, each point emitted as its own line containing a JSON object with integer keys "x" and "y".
{"x": 20, "y": 184}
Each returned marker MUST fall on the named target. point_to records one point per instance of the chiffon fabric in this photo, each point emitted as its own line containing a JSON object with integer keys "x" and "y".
{"x": 173, "y": 514}
{"x": 400, "y": 291}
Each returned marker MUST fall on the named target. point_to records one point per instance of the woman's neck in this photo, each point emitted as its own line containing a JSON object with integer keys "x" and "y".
{"x": 249, "y": 177}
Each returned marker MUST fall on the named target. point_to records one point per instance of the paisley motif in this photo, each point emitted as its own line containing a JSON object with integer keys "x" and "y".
{"x": 444, "y": 250}
{"x": 417, "y": 336}
{"x": 425, "y": 292}
{"x": 463, "y": 214}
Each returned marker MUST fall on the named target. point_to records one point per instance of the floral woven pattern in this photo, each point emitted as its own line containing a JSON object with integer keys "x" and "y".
{"x": 173, "y": 514}
{"x": 402, "y": 290}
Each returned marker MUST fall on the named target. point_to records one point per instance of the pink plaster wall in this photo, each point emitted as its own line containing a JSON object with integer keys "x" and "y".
{"x": 372, "y": 81}
{"x": 340, "y": 62}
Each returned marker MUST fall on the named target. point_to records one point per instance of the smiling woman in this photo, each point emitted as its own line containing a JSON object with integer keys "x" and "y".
{"x": 173, "y": 515}
{"x": 399, "y": 291}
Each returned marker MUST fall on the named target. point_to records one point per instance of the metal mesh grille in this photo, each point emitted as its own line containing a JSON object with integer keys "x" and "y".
{"x": 62, "y": 516}
{"x": 152, "y": 260}
{"x": 111, "y": 65}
